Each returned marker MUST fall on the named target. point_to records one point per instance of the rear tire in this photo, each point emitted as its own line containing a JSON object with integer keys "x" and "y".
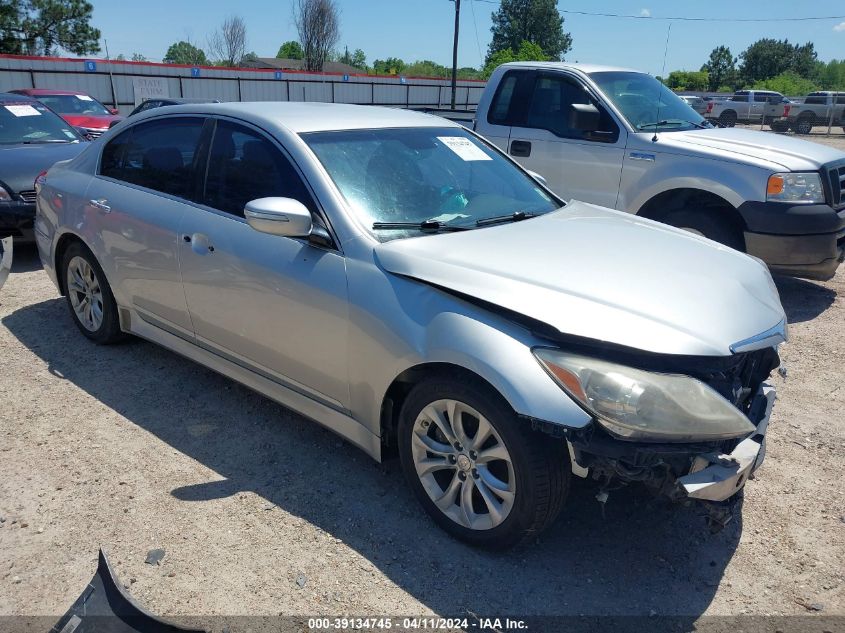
{"x": 89, "y": 297}
{"x": 727, "y": 118}
{"x": 709, "y": 224}
{"x": 780, "y": 126}
{"x": 804, "y": 125}
{"x": 485, "y": 477}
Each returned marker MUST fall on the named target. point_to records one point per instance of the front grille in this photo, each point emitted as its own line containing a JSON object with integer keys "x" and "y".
{"x": 837, "y": 185}
{"x": 93, "y": 133}
{"x": 28, "y": 196}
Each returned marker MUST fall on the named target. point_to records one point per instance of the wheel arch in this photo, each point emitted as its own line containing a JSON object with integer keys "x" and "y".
{"x": 402, "y": 385}
{"x": 661, "y": 205}
{"x": 62, "y": 244}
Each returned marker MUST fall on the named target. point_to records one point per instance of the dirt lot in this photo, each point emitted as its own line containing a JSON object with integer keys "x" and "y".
{"x": 133, "y": 448}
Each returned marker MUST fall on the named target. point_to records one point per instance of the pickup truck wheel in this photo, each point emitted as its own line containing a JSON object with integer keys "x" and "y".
{"x": 779, "y": 125}
{"x": 708, "y": 224}
{"x": 804, "y": 125}
{"x": 727, "y": 118}
{"x": 478, "y": 470}
{"x": 89, "y": 297}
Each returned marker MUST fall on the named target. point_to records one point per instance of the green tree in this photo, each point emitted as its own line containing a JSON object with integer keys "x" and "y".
{"x": 767, "y": 58}
{"x": 688, "y": 80}
{"x": 787, "y": 83}
{"x": 831, "y": 76}
{"x": 359, "y": 59}
{"x": 43, "y": 27}
{"x": 389, "y": 66}
{"x": 185, "y": 53}
{"x": 290, "y": 50}
{"x": 535, "y": 21}
{"x": 468, "y": 72}
{"x": 720, "y": 68}
{"x": 137, "y": 57}
{"x": 427, "y": 68}
{"x": 527, "y": 52}
{"x": 804, "y": 60}
{"x": 356, "y": 58}
{"x": 252, "y": 56}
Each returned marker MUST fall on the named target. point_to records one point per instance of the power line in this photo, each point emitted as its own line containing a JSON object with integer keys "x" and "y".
{"x": 688, "y": 19}
{"x": 475, "y": 25}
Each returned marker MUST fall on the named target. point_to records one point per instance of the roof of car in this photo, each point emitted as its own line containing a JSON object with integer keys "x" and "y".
{"x": 584, "y": 68}
{"x": 311, "y": 116}
{"x": 47, "y": 91}
{"x": 8, "y": 96}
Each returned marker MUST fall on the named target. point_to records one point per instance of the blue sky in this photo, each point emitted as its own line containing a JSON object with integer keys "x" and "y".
{"x": 422, "y": 29}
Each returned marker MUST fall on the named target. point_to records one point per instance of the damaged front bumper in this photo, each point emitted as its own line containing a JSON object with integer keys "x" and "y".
{"x": 708, "y": 472}
{"x": 716, "y": 477}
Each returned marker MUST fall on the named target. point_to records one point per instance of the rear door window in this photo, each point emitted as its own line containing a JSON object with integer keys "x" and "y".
{"x": 161, "y": 155}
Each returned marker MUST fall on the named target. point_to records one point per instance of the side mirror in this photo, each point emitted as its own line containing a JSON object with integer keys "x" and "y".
{"x": 278, "y": 216}
{"x": 537, "y": 177}
{"x": 584, "y": 117}
{"x": 114, "y": 111}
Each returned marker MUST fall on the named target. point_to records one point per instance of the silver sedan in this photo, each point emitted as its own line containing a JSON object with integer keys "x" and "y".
{"x": 398, "y": 279}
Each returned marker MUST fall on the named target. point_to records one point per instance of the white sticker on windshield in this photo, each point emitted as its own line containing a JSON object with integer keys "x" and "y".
{"x": 22, "y": 110}
{"x": 463, "y": 147}
{"x": 84, "y": 98}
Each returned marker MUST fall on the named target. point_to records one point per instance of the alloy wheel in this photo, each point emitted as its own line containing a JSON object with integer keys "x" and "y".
{"x": 463, "y": 464}
{"x": 85, "y": 293}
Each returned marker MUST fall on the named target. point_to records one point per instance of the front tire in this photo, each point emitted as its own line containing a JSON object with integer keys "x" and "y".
{"x": 708, "y": 224}
{"x": 476, "y": 468}
{"x": 89, "y": 297}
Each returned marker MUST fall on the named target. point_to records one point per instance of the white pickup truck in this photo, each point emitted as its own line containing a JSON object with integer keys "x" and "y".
{"x": 819, "y": 108}
{"x": 621, "y": 139}
{"x": 748, "y": 106}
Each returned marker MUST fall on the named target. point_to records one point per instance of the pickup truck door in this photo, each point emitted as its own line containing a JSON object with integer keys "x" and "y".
{"x": 758, "y": 106}
{"x": 577, "y": 165}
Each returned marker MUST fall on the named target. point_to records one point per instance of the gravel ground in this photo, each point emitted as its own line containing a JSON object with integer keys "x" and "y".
{"x": 259, "y": 511}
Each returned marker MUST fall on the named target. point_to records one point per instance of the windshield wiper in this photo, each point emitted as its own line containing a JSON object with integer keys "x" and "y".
{"x": 643, "y": 126}
{"x": 516, "y": 216}
{"x": 48, "y": 140}
{"x": 425, "y": 225}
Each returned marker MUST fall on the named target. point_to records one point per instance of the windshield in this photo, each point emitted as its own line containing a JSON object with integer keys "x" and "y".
{"x": 74, "y": 104}
{"x": 441, "y": 176}
{"x": 32, "y": 122}
{"x": 647, "y": 104}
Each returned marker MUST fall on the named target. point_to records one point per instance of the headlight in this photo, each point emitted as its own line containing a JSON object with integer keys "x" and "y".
{"x": 795, "y": 187}
{"x": 635, "y": 404}
{"x": 4, "y": 195}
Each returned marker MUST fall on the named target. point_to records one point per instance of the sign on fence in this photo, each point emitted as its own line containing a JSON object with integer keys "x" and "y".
{"x": 149, "y": 88}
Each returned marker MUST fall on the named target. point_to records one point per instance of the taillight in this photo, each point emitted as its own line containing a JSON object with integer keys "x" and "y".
{"x": 786, "y": 109}
{"x": 709, "y": 107}
{"x": 40, "y": 179}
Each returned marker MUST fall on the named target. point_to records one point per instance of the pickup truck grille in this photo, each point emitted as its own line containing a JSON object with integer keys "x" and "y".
{"x": 837, "y": 185}
{"x": 27, "y": 196}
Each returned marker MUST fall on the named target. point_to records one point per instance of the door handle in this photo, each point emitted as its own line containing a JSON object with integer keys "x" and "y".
{"x": 520, "y": 148}
{"x": 100, "y": 204}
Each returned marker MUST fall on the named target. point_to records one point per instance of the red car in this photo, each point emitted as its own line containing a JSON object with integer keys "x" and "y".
{"x": 82, "y": 111}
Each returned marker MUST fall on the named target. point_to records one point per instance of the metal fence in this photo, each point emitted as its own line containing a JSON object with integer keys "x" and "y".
{"x": 114, "y": 83}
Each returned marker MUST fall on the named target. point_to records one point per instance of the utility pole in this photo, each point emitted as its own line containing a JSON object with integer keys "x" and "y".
{"x": 455, "y": 51}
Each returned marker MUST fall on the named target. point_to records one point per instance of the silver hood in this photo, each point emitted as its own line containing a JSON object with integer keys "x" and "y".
{"x": 601, "y": 274}
{"x": 763, "y": 149}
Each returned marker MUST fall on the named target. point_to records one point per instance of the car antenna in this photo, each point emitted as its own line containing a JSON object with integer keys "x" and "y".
{"x": 660, "y": 87}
